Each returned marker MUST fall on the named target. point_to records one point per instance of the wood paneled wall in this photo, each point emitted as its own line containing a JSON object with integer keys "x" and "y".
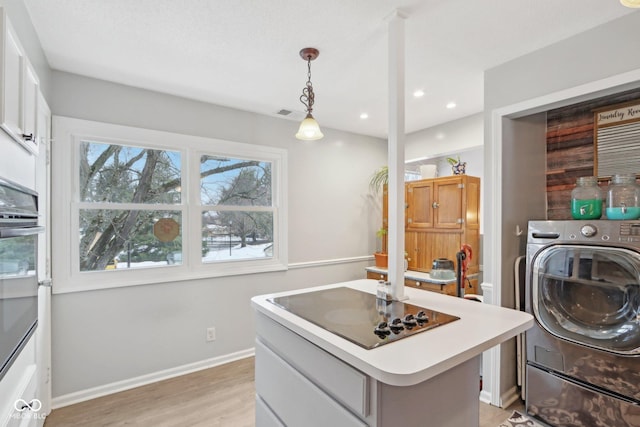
{"x": 570, "y": 149}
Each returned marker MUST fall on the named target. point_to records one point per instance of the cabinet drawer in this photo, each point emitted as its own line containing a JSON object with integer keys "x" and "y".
{"x": 376, "y": 276}
{"x": 264, "y": 416}
{"x": 548, "y": 395}
{"x": 447, "y": 289}
{"x": 27, "y": 417}
{"x": 291, "y": 395}
{"x": 345, "y": 383}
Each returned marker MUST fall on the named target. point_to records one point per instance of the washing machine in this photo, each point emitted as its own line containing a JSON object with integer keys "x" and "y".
{"x": 583, "y": 354}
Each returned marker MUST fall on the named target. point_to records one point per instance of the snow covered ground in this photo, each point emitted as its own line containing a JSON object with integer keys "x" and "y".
{"x": 237, "y": 253}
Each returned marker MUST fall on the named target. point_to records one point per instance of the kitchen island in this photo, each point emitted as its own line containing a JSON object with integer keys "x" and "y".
{"x": 309, "y": 376}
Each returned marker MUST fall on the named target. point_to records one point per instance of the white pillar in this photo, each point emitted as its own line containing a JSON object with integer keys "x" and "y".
{"x": 396, "y": 154}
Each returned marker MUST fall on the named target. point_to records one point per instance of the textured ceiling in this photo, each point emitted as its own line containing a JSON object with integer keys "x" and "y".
{"x": 244, "y": 53}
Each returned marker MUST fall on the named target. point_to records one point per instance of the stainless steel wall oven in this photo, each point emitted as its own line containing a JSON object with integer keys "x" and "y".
{"x": 583, "y": 354}
{"x": 18, "y": 270}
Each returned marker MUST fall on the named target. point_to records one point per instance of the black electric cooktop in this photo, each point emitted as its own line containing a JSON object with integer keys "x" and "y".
{"x": 360, "y": 317}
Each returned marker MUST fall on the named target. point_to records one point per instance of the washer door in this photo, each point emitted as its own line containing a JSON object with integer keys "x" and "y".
{"x": 589, "y": 295}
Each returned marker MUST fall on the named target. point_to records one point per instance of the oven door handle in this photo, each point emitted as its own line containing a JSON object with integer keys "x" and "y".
{"x": 16, "y": 232}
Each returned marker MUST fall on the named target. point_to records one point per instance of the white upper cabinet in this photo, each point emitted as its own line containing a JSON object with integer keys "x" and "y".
{"x": 29, "y": 110}
{"x": 19, "y": 87}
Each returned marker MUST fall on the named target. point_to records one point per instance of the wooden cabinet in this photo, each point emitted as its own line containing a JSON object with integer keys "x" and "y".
{"x": 441, "y": 288}
{"x": 442, "y": 214}
{"x": 19, "y": 89}
{"x": 439, "y": 203}
{"x": 449, "y": 203}
{"x": 419, "y": 204}
{"x": 376, "y": 276}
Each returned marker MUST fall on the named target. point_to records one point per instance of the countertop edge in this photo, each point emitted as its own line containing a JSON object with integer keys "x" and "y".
{"x": 364, "y": 361}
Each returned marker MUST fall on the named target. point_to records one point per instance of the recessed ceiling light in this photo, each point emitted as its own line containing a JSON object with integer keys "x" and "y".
{"x": 419, "y": 93}
{"x": 364, "y": 116}
{"x": 451, "y": 105}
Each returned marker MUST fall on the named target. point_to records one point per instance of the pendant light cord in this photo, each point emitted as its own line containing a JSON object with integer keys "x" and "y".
{"x": 308, "y": 97}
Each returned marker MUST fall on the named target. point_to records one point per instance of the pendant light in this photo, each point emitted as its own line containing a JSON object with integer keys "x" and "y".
{"x": 309, "y": 129}
{"x": 631, "y": 3}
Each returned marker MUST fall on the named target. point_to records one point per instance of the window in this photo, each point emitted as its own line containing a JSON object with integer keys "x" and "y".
{"x": 147, "y": 206}
{"x": 237, "y": 208}
{"x": 126, "y": 194}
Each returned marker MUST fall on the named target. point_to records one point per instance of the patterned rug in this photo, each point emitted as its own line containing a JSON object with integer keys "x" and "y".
{"x": 518, "y": 420}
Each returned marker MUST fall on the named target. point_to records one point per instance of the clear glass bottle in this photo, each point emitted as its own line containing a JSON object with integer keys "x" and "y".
{"x": 623, "y": 197}
{"x": 586, "y": 199}
{"x": 383, "y": 292}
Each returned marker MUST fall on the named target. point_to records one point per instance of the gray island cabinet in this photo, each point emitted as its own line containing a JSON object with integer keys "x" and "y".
{"x": 308, "y": 376}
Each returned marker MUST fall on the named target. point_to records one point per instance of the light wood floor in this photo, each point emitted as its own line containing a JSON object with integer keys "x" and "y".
{"x": 218, "y": 397}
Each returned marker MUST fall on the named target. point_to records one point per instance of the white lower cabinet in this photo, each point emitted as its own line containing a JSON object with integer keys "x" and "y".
{"x": 299, "y": 384}
{"x": 264, "y": 416}
{"x": 19, "y": 404}
{"x": 26, "y": 409}
{"x": 294, "y": 398}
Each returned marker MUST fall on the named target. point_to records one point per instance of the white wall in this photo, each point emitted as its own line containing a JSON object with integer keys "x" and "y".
{"x": 463, "y": 137}
{"x": 585, "y": 66}
{"x": 445, "y": 139}
{"x": 109, "y": 336}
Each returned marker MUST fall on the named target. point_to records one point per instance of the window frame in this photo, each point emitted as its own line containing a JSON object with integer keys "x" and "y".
{"x": 66, "y": 206}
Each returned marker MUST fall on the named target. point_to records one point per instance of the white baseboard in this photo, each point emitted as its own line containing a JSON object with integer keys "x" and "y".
{"x": 485, "y": 397}
{"x": 509, "y": 397}
{"x": 103, "y": 390}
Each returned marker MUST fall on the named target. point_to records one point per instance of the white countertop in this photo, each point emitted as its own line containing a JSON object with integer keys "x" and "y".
{"x": 421, "y": 356}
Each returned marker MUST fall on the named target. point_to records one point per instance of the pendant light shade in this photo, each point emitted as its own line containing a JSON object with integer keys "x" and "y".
{"x": 631, "y": 3}
{"x": 309, "y": 128}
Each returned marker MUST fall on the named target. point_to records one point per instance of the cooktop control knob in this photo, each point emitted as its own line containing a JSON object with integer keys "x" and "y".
{"x": 588, "y": 230}
{"x": 421, "y": 317}
{"x": 409, "y": 321}
{"x": 396, "y": 325}
{"x": 382, "y": 330}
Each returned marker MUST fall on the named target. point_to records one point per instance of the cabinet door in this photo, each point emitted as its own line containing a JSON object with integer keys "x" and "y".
{"x": 30, "y": 91}
{"x": 447, "y": 195}
{"x": 411, "y": 248}
{"x": 12, "y": 57}
{"x": 419, "y": 204}
{"x": 19, "y": 87}
{"x": 290, "y": 395}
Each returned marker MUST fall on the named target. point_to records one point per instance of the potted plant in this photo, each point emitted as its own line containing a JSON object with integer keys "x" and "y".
{"x": 381, "y": 256}
{"x": 379, "y": 179}
{"x": 457, "y": 166}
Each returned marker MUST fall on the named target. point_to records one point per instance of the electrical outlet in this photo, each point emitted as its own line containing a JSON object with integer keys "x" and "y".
{"x": 211, "y": 334}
